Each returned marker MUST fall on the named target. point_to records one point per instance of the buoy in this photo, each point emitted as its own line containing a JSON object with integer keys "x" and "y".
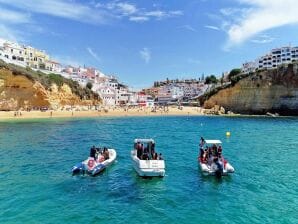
{"x": 228, "y": 134}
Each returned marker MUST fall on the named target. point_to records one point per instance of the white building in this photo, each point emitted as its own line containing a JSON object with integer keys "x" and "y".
{"x": 107, "y": 95}
{"x": 248, "y": 67}
{"x": 273, "y": 59}
{"x": 13, "y": 53}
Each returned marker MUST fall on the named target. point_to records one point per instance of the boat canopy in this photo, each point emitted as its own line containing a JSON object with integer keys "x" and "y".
{"x": 213, "y": 142}
{"x": 144, "y": 140}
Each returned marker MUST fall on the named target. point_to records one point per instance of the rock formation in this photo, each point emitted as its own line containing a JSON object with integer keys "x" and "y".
{"x": 274, "y": 91}
{"x": 19, "y": 92}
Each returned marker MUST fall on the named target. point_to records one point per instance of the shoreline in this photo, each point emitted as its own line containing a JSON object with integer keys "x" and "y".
{"x": 118, "y": 112}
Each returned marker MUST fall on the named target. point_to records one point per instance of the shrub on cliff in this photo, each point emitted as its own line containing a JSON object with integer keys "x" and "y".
{"x": 89, "y": 85}
{"x": 57, "y": 79}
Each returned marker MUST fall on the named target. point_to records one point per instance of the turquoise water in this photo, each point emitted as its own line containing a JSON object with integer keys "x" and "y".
{"x": 36, "y": 185}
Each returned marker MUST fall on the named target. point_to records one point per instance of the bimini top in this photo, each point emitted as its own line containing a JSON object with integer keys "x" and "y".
{"x": 143, "y": 140}
{"x": 213, "y": 142}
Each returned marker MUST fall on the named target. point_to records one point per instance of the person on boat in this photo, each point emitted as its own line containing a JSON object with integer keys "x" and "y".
{"x": 214, "y": 150}
{"x": 146, "y": 149}
{"x": 216, "y": 165}
{"x": 202, "y": 141}
{"x": 106, "y": 153}
{"x": 139, "y": 150}
{"x": 219, "y": 150}
{"x": 222, "y": 160}
{"x": 93, "y": 152}
{"x": 160, "y": 157}
{"x": 155, "y": 156}
{"x": 145, "y": 156}
{"x": 152, "y": 150}
{"x": 201, "y": 153}
{"x": 101, "y": 158}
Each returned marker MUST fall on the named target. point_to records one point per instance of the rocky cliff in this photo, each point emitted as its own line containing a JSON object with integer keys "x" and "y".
{"x": 274, "y": 91}
{"x": 18, "y": 91}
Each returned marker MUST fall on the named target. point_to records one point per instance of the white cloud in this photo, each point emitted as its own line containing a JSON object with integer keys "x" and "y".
{"x": 212, "y": 27}
{"x": 127, "y": 8}
{"x": 138, "y": 18}
{"x": 60, "y": 8}
{"x": 93, "y": 54}
{"x": 263, "y": 39}
{"x": 158, "y": 14}
{"x": 13, "y": 17}
{"x": 8, "y": 20}
{"x": 258, "y": 16}
{"x": 7, "y": 33}
{"x": 133, "y": 13}
{"x": 188, "y": 27}
{"x": 145, "y": 54}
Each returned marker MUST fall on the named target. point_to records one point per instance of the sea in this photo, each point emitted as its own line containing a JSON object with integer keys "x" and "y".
{"x": 37, "y": 186}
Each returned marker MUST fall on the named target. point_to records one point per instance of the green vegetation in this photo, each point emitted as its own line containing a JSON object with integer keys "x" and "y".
{"x": 234, "y": 72}
{"x": 89, "y": 85}
{"x": 211, "y": 79}
{"x": 48, "y": 79}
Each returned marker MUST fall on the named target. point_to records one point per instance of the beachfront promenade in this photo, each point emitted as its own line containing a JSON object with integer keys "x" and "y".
{"x": 118, "y": 111}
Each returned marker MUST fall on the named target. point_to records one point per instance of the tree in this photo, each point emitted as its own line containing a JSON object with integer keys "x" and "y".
{"x": 234, "y": 72}
{"x": 89, "y": 85}
{"x": 210, "y": 79}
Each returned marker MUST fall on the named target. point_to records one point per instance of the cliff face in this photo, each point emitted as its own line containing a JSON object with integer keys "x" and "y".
{"x": 273, "y": 91}
{"x": 19, "y": 92}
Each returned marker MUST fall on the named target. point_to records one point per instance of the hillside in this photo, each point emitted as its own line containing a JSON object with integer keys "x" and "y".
{"x": 22, "y": 88}
{"x": 274, "y": 91}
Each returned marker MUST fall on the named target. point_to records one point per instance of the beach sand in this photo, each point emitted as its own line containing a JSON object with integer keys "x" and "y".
{"x": 121, "y": 112}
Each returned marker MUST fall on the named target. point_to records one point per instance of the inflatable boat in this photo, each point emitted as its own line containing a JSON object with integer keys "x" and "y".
{"x": 211, "y": 160}
{"x": 94, "y": 166}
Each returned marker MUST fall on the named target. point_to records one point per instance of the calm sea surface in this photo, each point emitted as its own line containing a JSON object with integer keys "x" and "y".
{"x": 36, "y": 185}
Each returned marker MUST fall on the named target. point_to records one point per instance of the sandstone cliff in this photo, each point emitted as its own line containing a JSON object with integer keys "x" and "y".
{"x": 18, "y": 91}
{"x": 274, "y": 91}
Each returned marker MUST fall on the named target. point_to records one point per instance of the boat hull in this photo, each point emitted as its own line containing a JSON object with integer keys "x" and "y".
{"x": 208, "y": 171}
{"x": 148, "y": 168}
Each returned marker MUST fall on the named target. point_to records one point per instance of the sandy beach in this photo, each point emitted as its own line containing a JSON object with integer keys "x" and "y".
{"x": 117, "y": 112}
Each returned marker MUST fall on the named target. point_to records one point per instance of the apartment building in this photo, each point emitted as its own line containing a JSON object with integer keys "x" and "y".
{"x": 273, "y": 59}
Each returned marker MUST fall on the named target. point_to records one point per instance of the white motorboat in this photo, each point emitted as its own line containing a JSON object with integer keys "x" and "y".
{"x": 94, "y": 166}
{"x": 211, "y": 160}
{"x": 146, "y": 161}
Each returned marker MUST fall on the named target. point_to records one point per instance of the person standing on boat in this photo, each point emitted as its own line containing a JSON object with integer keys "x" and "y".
{"x": 139, "y": 150}
{"x": 202, "y": 142}
{"x": 93, "y": 152}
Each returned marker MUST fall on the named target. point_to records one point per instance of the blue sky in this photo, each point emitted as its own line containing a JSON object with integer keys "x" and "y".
{"x": 142, "y": 41}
